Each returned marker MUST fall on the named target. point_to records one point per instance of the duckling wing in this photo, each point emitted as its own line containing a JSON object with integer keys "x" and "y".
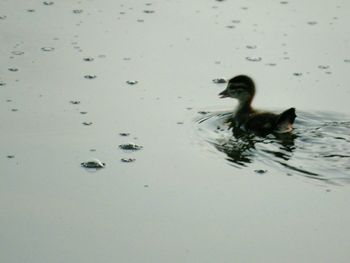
{"x": 266, "y": 122}
{"x": 285, "y": 120}
{"x": 262, "y": 122}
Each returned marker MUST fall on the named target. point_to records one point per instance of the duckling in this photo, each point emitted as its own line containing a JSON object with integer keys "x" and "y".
{"x": 242, "y": 88}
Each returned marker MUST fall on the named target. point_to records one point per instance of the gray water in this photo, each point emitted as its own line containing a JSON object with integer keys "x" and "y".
{"x": 78, "y": 79}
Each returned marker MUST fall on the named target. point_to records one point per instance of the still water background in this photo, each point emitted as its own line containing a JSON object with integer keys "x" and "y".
{"x": 65, "y": 99}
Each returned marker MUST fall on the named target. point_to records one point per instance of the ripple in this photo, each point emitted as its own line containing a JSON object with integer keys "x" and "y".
{"x": 86, "y": 123}
{"x": 90, "y": 76}
{"x": 48, "y": 3}
{"x": 318, "y": 148}
{"x": 251, "y": 46}
{"x": 127, "y": 160}
{"x": 312, "y": 23}
{"x": 93, "y": 164}
{"x": 323, "y": 67}
{"x": 47, "y": 49}
{"x": 132, "y": 82}
{"x": 17, "y": 53}
{"x": 78, "y": 11}
{"x": 219, "y": 80}
{"x": 254, "y": 59}
{"x": 88, "y": 59}
{"x": 130, "y": 147}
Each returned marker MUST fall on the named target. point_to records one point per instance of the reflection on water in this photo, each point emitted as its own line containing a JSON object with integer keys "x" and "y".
{"x": 318, "y": 147}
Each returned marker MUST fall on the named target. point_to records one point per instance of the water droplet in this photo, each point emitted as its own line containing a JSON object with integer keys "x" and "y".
{"x": 235, "y": 21}
{"x": 251, "y": 46}
{"x": 323, "y": 66}
{"x": 297, "y": 74}
{"x": 284, "y": 2}
{"x": 83, "y": 112}
{"x": 128, "y": 160}
{"x": 347, "y": 60}
{"x": 48, "y": 3}
{"x": 219, "y": 80}
{"x": 3, "y": 17}
{"x": 148, "y": 11}
{"x": 47, "y": 49}
{"x": 132, "y": 82}
{"x": 88, "y": 59}
{"x": 124, "y": 134}
{"x": 77, "y": 11}
{"x": 75, "y": 102}
{"x": 31, "y": 10}
{"x": 2, "y": 84}
{"x": 254, "y": 59}
{"x": 127, "y": 59}
{"x": 87, "y": 123}
{"x": 312, "y": 23}
{"x": 10, "y": 156}
{"x": 90, "y": 76}
{"x": 140, "y": 20}
{"x": 13, "y": 69}
{"x": 14, "y": 110}
{"x": 130, "y": 147}
{"x": 230, "y": 26}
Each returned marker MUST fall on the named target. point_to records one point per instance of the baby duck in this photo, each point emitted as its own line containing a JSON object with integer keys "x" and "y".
{"x": 242, "y": 88}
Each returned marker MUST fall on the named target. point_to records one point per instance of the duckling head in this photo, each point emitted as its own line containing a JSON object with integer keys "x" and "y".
{"x": 240, "y": 87}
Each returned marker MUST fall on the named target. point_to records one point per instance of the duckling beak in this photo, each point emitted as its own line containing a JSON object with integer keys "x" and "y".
{"x": 223, "y": 94}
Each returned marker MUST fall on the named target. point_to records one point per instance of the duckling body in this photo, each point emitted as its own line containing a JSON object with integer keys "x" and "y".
{"x": 245, "y": 117}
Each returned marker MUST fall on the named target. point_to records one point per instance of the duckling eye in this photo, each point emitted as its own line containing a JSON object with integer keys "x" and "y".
{"x": 238, "y": 91}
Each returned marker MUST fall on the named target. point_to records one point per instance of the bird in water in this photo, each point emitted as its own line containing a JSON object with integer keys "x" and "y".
{"x": 245, "y": 117}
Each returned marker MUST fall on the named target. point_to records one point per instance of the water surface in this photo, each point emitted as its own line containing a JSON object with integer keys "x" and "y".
{"x": 317, "y": 148}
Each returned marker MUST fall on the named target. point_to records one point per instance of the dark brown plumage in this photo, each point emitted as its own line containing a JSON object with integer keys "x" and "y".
{"x": 242, "y": 88}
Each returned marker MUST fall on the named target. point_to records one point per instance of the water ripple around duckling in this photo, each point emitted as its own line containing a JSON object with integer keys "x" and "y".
{"x": 317, "y": 148}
